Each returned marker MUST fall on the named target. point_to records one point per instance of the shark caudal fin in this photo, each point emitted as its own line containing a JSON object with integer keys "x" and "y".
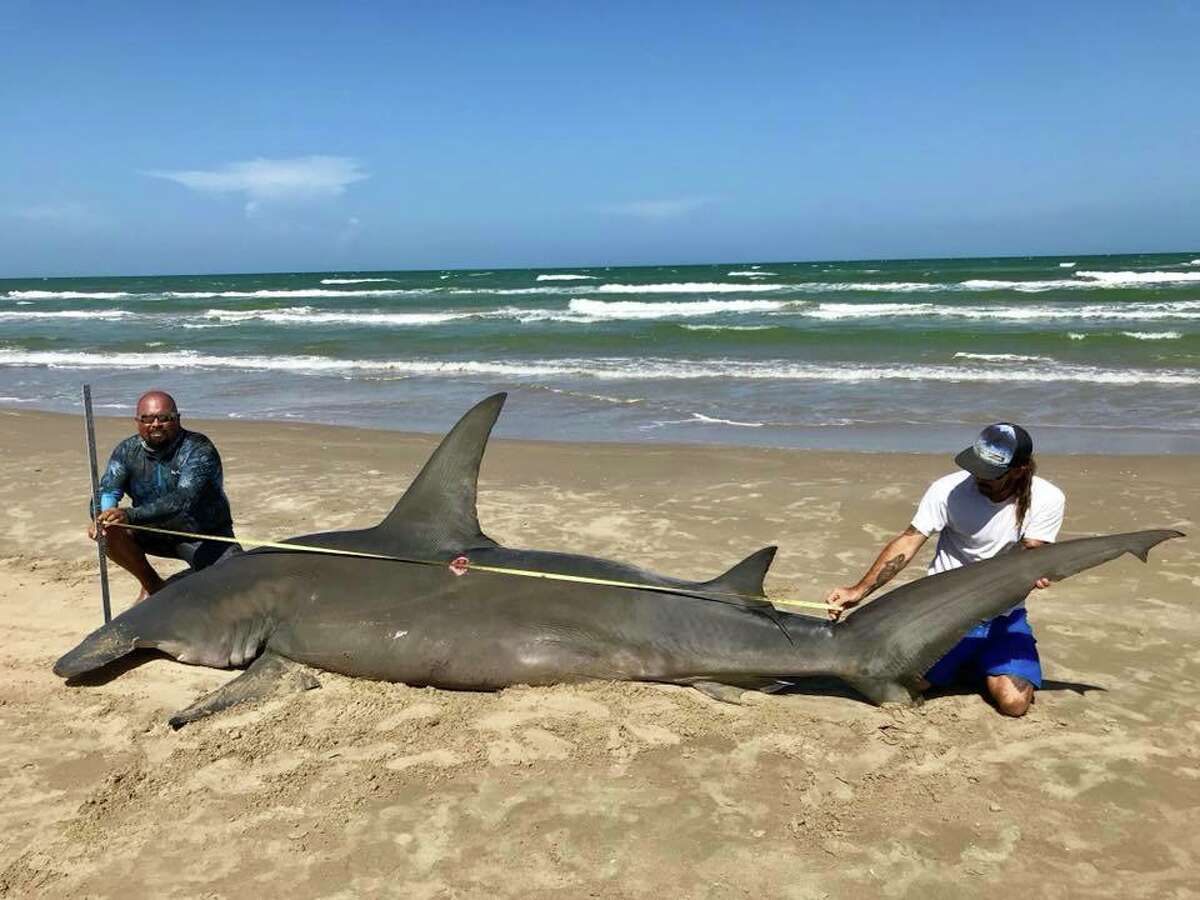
{"x": 438, "y": 512}
{"x": 888, "y": 645}
{"x": 745, "y": 580}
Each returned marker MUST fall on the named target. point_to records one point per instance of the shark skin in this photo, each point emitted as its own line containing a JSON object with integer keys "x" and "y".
{"x": 278, "y": 611}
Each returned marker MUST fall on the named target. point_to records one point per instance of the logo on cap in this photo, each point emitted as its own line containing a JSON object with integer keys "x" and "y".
{"x": 996, "y": 444}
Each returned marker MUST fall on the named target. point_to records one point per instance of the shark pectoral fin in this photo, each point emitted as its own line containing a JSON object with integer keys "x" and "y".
{"x": 267, "y": 675}
{"x": 725, "y": 693}
{"x": 886, "y": 692}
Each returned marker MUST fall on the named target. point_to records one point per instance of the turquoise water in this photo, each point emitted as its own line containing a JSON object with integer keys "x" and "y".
{"x": 1091, "y": 353}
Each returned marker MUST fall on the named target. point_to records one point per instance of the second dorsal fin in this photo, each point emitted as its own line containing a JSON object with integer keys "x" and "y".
{"x": 437, "y": 512}
{"x": 746, "y": 578}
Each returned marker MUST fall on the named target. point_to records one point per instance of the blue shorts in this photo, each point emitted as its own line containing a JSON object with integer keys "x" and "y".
{"x": 1003, "y": 646}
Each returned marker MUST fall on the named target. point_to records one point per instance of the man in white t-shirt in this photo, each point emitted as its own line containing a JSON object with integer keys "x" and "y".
{"x": 996, "y": 502}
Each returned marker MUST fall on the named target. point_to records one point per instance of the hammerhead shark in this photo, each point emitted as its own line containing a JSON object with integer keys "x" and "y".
{"x": 277, "y": 611}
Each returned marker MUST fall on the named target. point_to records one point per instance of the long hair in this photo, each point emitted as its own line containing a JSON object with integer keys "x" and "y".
{"x": 1023, "y": 484}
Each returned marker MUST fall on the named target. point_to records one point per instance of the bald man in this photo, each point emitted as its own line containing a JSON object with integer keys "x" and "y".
{"x": 173, "y": 478}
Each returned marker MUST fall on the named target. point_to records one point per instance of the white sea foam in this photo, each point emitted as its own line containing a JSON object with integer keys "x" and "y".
{"x": 68, "y": 295}
{"x": 102, "y": 314}
{"x": 565, "y": 277}
{"x": 750, "y": 273}
{"x": 1002, "y": 357}
{"x": 306, "y": 315}
{"x": 1066, "y": 265}
{"x": 834, "y": 311}
{"x": 287, "y": 294}
{"x": 1076, "y": 336}
{"x": 636, "y": 309}
{"x": 1153, "y": 335}
{"x": 1194, "y": 262}
{"x": 608, "y": 368}
{"x": 1025, "y": 287}
{"x": 689, "y": 287}
{"x": 1186, "y": 310}
{"x": 700, "y": 417}
{"x": 355, "y": 280}
{"x": 1120, "y": 279}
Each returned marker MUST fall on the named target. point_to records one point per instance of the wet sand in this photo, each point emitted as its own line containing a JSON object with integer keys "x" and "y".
{"x": 605, "y": 790}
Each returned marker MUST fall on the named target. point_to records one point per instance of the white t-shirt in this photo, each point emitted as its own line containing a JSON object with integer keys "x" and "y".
{"x": 973, "y": 527}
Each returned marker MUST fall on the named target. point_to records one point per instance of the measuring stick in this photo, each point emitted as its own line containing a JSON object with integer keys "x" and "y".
{"x": 101, "y": 541}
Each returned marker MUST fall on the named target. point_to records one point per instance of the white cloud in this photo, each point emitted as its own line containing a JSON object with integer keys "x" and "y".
{"x": 304, "y": 177}
{"x": 656, "y": 209}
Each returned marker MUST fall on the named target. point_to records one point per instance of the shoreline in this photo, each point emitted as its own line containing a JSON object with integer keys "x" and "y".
{"x": 866, "y": 440}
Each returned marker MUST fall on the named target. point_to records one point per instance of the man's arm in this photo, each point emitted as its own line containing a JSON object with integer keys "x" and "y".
{"x": 892, "y": 559}
{"x": 112, "y": 489}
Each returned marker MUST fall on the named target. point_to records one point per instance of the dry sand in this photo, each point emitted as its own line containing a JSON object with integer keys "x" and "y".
{"x": 603, "y": 790}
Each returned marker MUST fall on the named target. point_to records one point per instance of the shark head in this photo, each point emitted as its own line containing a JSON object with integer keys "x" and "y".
{"x": 104, "y": 645}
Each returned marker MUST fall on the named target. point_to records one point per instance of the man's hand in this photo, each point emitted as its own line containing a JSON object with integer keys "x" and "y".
{"x": 842, "y": 599}
{"x": 1042, "y": 583}
{"x": 115, "y": 516}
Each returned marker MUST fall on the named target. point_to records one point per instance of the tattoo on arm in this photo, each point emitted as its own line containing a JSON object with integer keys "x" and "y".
{"x": 889, "y": 570}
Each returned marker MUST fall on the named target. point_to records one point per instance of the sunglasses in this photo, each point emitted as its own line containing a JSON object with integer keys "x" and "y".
{"x": 158, "y": 417}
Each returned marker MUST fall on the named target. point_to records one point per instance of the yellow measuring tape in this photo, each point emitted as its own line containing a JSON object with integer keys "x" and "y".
{"x": 465, "y": 565}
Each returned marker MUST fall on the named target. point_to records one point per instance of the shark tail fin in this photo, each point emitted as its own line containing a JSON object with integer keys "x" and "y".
{"x": 887, "y": 646}
{"x": 746, "y": 578}
{"x": 437, "y": 512}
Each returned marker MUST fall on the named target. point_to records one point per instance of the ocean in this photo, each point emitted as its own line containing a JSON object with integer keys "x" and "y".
{"x": 1091, "y": 354}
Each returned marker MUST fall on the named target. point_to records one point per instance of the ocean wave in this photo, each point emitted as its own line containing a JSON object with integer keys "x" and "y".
{"x": 68, "y": 295}
{"x": 1002, "y": 357}
{"x": 1118, "y": 279}
{"x": 709, "y": 420}
{"x": 689, "y": 287}
{"x": 991, "y": 284}
{"x": 355, "y": 280}
{"x": 1076, "y": 336}
{"x": 1153, "y": 335}
{"x": 102, "y": 314}
{"x": 1186, "y": 309}
{"x": 1066, "y": 265}
{"x": 608, "y": 368}
{"x": 749, "y": 273}
{"x": 306, "y": 315}
{"x": 729, "y": 327}
{"x": 269, "y": 294}
{"x": 565, "y": 277}
{"x": 635, "y": 309}
{"x": 835, "y": 311}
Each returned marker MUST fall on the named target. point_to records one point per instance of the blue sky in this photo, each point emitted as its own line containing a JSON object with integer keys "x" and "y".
{"x": 220, "y": 137}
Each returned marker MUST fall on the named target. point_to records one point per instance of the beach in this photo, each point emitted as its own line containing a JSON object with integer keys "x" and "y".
{"x": 606, "y": 789}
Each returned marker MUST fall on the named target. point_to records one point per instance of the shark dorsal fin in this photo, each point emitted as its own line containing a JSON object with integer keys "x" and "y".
{"x": 746, "y": 578}
{"x": 437, "y": 512}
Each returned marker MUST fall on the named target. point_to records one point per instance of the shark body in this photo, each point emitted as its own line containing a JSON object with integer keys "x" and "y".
{"x": 276, "y": 611}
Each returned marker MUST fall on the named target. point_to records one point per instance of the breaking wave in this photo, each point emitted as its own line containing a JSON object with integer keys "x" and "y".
{"x": 606, "y": 368}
